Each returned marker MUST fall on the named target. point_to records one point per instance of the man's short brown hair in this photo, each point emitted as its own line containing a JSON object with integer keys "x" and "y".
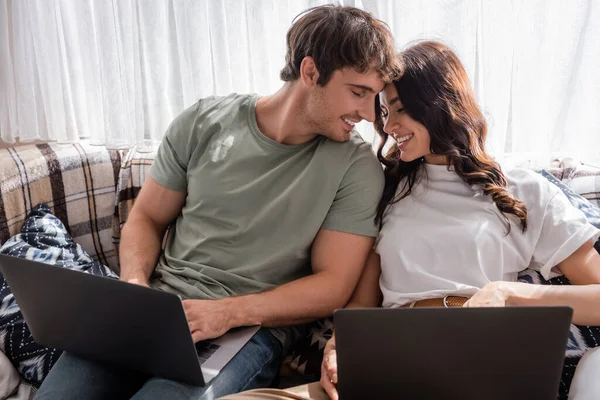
{"x": 337, "y": 37}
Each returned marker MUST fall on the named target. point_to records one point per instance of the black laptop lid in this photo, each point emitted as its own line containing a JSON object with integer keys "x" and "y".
{"x": 451, "y": 353}
{"x": 104, "y": 319}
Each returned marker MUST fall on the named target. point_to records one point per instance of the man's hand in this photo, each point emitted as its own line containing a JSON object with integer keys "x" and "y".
{"x": 208, "y": 319}
{"x": 329, "y": 376}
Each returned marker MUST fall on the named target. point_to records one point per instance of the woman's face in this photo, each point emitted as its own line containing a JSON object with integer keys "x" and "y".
{"x": 412, "y": 137}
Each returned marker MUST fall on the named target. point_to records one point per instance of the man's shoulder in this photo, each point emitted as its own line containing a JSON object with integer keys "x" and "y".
{"x": 362, "y": 157}
{"x": 195, "y": 121}
{"x": 232, "y": 98}
{"x": 355, "y": 159}
{"x": 353, "y": 149}
{"x": 358, "y": 142}
{"x": 222, "y": 105}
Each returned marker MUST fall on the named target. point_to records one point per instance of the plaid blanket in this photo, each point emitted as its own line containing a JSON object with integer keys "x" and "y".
{"x": 77, "y": 181}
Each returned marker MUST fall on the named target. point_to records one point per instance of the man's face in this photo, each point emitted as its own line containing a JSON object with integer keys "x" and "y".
{"x": 348, "y": 98}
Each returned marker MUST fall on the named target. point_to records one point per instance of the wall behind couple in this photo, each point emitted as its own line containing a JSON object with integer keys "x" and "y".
{"x": 118, "y": 71}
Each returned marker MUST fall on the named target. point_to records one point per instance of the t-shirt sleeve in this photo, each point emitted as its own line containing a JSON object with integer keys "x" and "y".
{"x": 355, "y": 205}
{"x": 564, "y": 230}
{"x": 169, "y": 168}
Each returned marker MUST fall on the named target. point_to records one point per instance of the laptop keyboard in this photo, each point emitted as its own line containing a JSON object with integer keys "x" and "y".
{"x": 205, "y": 350}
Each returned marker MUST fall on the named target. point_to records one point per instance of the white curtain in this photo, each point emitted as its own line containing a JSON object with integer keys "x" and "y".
{"x": 533, "y": 64}
{"x": 118, "y": 71}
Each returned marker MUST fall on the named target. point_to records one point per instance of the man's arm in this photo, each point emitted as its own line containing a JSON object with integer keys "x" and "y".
{"x": 367, "y": 293}
{"x": 155, "y": 208}
{"x": 337, "y": 260}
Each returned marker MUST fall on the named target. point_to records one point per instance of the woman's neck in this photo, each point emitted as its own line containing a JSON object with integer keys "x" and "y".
{"x": 436, "y": 159}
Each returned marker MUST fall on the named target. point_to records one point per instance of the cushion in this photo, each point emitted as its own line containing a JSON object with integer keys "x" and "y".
{"x": 580, "y": 178}
{"x": 306, "y": 355}
{"x": 591, "y": 211}
{"x": 43, "y": 238}
{"x": 76, "y": 180}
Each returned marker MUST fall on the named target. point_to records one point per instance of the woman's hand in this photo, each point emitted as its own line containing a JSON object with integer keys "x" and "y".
{"x": 494, "y": 294}
{"x": 583, "y": 299}
{"x": 502, "y": 294}
{"x": 329, "y": 377}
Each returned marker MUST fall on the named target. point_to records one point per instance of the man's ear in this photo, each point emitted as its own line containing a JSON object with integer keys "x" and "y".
{"x": 309, "y": 74}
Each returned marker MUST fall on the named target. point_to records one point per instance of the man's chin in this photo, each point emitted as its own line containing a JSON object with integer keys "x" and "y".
{"x": 340, "y": 137}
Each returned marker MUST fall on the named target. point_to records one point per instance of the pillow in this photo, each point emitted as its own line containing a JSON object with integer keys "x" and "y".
{"x": 43, "y": 238}
{"x": 592, "y": 213}
{"x": 581, "y": 338}
{"x": 306, "y": 355}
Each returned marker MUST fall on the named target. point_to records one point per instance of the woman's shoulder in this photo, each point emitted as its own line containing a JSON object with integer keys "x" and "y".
{"x": 529, "y": 186}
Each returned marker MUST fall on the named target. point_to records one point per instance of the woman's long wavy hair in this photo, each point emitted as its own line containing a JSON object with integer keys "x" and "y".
{"x": 434, "y": 90}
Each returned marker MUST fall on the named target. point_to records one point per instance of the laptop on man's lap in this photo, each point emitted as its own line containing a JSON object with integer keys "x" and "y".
{"x": 115, "y": 322}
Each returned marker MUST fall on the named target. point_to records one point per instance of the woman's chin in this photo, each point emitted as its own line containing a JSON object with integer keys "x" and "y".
{"x": 407, "y": 157}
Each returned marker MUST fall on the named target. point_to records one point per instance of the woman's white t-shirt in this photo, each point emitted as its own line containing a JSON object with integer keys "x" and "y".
{"x": 447, "y": 238}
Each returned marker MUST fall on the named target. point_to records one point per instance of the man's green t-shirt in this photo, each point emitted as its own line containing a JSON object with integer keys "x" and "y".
{"x": 254, "y": 206}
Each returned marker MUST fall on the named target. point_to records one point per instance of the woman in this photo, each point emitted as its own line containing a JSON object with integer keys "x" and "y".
{"x": 455, "y": 229}
{"x": 464, "y": 213}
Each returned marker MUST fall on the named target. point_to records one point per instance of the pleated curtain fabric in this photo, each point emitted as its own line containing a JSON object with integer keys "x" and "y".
{"x": 117, "y": 72}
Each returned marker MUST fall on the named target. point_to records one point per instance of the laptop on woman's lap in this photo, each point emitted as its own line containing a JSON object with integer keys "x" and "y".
{"x": 451, "y": 353}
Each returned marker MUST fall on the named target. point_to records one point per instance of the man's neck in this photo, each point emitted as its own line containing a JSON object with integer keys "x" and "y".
{"x": 280, "y": 116}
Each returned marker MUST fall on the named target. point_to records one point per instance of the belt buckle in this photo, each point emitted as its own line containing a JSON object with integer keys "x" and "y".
{"x": 445, "y": 301}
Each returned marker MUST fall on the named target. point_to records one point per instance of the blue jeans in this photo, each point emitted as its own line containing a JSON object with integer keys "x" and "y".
{"x": 255, "y": 366}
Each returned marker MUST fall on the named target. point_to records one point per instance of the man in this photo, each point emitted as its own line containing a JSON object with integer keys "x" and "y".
{"x": 273, "y": 202}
